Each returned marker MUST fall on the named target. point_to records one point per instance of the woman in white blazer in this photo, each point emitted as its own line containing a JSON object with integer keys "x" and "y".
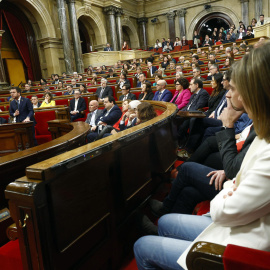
{"x": 241, "y": 211}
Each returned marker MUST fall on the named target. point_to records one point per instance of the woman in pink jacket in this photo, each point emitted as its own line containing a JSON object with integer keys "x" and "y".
{"x": 182, "y": 93}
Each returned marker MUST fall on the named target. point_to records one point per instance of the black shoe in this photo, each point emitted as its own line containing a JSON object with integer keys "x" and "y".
{"x": 158, "y": 209}
{"x": 148, "y": 227}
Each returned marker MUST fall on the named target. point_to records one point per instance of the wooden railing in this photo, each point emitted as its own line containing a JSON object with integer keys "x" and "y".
{"x": 78, "y": 210}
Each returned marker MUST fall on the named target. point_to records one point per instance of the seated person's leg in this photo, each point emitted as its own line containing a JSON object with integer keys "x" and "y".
{"x": 91, "y": 136}
{"x": 214, "y": 161}
{"x": 211, "y": 131}
{"x": 206, "y": 148}
{"x": 155, "y": 252}
{"x": 190, "y": 175}
{"x": 183, "y": 227}
{"x": 182, "y": 132}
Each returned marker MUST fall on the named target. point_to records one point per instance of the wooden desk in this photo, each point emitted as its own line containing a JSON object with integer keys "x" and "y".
{"x": 16, "y": 137}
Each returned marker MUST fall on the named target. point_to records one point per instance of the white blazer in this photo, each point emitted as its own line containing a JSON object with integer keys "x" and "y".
{"x": 244, "y": 218}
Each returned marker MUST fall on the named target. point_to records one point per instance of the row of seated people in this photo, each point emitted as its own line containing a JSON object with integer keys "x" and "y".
{"x": 229, "y": 166}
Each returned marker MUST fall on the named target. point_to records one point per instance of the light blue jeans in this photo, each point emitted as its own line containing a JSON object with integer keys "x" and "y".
{"x": 176, "y": 232}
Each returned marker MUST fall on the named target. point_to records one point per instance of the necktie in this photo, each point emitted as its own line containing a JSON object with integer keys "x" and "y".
{"x": 101, "y": 92}
{"x": 159, "y": 96}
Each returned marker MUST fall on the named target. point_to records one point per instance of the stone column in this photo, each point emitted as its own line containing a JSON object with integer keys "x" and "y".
{"x": 118, "y": 15}
{"x": 258, "y": 8}
{"x": 110, "y": 11}
{"x": 244, "y": 9}
{"x": 3, "y": 79}
{"x": 142, "y": 22}
{"x": 75, "y": 35}
{"x": 64, "y": 33}
{"x": 182, "y": 23}
{"x": 170, "y": 17}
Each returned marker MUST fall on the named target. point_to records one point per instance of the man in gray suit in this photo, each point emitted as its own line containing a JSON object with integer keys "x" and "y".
{"x": 94, "y": 113}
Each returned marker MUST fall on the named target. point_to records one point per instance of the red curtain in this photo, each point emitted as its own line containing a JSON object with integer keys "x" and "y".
{"x": 20, "y": 38}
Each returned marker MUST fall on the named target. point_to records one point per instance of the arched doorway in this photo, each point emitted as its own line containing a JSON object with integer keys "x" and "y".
{"x": 84, "y": 37}
{"x": 126, "y": 36}
{"x": 207, "y": 23}
{"x": 21, "y": 36}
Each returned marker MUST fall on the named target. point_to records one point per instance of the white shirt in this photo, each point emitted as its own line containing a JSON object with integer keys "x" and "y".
{"x": 92, "y": 121}
{"x": 76, "y": 104}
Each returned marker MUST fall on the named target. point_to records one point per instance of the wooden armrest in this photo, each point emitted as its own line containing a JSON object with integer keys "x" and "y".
{"x": 12, "y": 232}
{"x": 187, "y": 114}
{"x": 204, "y": 255}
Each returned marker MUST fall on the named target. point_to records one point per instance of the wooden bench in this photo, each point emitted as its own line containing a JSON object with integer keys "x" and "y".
{"x": 78, "y": 210}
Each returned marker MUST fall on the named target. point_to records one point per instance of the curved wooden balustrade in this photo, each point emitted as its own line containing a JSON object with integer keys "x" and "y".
{"x": 13, "y": 166}
{"x": 79, "y": 208}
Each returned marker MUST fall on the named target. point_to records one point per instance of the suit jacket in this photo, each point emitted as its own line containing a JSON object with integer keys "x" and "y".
{"x": 139, "y": 84}
{"x": 222, "y": 104}
{"x": 89, "y": 116}
{"x": 166, "y": 96}
{"x": 107, "y": 92}
{"x": 248, "y": 37}
{"x": 2, "y": 121}
{"x": 25, "y": 108}
{"x": 148, "y": 96}
{"x": 210, "y": 43}
{"x": 123, "y": 126}
{"x": 80, "y": 107}
{"x": 231, "y": 159}
{"x": 130, "y": 96}
{"x": 197, "y": 101}
{"x": 181, "y": 100}
{"x": 154, "y": 69}
{"x": 107, "y": 49}
{"x": 113, "y": 116}
{"x": 238, "y": 34}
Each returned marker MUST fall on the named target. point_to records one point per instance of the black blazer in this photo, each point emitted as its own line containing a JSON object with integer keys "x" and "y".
{"x": 130, "y": 96}
{"x": 80, "y": 107}
{"x": 197, "y": 101}
{"x": 231, "y": 159}
{"x": 107, "y": 92}
{"x": 149, "y": 96}
{"x": 113, "y": 116}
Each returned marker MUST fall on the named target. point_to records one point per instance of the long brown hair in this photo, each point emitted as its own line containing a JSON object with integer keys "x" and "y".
{"x": 146, "y": 111}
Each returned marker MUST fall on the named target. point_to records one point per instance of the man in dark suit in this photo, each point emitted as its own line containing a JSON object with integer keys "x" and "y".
{"x": 214, "y": 69}
{"x": 241, "y": 33}
{"x": 111, "y": 74}
{"x": 248, "y": 35}
{"x": 195, "y": 59}
{"x": 152, "y": 69}
{"x": 77, "y": 106}
{"x": 207, "y": 41}
{"x": 110, "y": 115}
{"x": 94, "y": 113}
{"x": 20, "y": 108}
{"x": 162, "y": 94}
{"x": 35, "y": 102}
{"x": 108, "y": 48}
{"x": 27, "y": 89}
{"x": 104, "y": 90}
{"x": 142, "y": 79}
{"x": 126, "y": 93}
{"x": 200, "y": 97}
{"x": 74, "y": 83}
